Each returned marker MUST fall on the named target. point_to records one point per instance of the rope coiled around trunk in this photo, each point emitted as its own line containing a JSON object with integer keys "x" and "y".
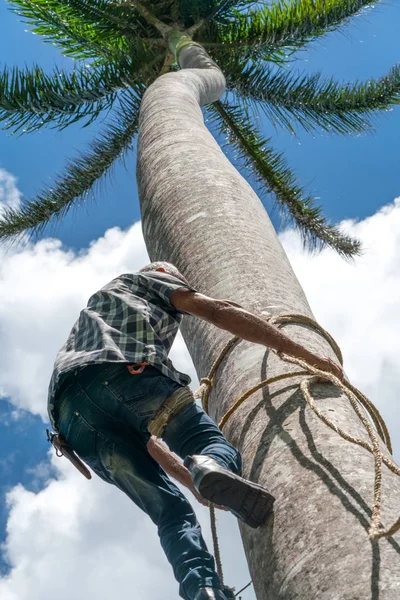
{"x": 312, "y": 375}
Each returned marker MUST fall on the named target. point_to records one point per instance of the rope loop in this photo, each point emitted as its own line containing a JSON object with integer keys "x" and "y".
{"x": 310, "y": 375}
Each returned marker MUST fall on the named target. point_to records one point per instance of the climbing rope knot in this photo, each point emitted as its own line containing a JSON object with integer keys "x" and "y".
{"x": 203, "y": 393}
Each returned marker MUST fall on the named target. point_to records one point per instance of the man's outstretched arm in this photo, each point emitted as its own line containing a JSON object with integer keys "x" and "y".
{"x": 238, "y": 321}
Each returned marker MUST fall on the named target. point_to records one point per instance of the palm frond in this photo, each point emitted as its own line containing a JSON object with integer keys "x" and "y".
{"x": 289, "y": 24}
{"x": 274, "y": 176}
{"x": 32, "y": 98}
{"x": 310, "y": 100}
{"x": 76, "y": 184}
{"x": 113, "y": 18}
{"x": 240, "y": 54}
{"x": 192, "y": 11}
{"x": 85, "y": 30}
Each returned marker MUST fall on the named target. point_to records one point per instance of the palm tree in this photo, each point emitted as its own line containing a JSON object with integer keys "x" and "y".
{"x": 201, "y": 214}
{"x": 121, "y": 47}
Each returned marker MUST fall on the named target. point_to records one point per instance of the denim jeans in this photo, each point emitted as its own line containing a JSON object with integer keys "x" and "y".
{"x": 103, "y": 412}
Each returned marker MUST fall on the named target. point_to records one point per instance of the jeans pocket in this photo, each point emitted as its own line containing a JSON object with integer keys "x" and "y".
{"x": 64, "y": 406}
{"x": 142, "y": 396}
{"x": 81, "y": 436}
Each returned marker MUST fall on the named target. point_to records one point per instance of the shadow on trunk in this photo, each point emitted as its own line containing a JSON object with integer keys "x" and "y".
{"x": 322, "y": 467}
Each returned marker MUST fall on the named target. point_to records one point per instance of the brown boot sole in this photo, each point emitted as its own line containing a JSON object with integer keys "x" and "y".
{"x": 248, "y": 501}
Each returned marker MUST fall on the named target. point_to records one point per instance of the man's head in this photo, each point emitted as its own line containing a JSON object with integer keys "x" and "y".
{"x": 164, "y": 267}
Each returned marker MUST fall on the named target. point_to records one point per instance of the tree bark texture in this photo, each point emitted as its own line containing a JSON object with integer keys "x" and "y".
{"x": 200, "y": 214}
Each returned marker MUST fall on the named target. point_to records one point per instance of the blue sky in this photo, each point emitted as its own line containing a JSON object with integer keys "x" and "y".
{"x": 353, "y": 177}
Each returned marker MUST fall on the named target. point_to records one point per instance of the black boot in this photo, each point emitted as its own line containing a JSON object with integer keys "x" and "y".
{"x": 207, "y": 593}
{"x": 246, "y": 500}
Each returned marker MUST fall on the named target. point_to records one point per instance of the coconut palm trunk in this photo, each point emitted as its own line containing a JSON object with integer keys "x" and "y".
{"x": 200, "y": 214}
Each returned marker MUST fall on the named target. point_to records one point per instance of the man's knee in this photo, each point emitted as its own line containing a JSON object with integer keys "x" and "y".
{"x": 236, "y": 461}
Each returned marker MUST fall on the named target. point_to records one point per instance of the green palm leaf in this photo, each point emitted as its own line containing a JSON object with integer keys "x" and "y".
{"x": 310, "y": 100}
{"x": 32, "y": 98}
{"x": 82, "y": 173}
{"x": 191, "y": 12}
{"x": 84, "y": 30}
{"x": 287, "y": 24}
{"x": 274, "y": 176}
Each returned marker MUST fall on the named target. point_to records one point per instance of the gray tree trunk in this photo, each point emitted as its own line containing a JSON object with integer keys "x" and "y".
{"x": 200, "y": 214}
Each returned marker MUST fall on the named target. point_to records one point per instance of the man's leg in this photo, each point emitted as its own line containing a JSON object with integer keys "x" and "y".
{"x": 215, "y": 464}
{"x": 192, "y": 431}
{"x": 97, "y": 424}
{"x": 134, "y": 472}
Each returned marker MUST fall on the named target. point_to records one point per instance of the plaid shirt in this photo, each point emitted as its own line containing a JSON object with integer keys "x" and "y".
{"x": 130, "y": 320}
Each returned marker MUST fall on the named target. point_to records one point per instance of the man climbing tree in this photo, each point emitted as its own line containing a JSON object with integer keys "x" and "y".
{"x": 114, "y": 391}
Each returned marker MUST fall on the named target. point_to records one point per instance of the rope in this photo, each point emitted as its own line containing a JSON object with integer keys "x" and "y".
{"x": 312, "y": 375}
{"x": 217, "y": 552}
{"x": 169, "y": 408}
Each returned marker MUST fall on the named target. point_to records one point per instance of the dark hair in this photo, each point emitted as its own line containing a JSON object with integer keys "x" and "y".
{"x": 168, "y": 268}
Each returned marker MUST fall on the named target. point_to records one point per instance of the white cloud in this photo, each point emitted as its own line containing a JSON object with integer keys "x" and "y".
{"x": 9, "y": 193}
{"x": 86, "y": 540}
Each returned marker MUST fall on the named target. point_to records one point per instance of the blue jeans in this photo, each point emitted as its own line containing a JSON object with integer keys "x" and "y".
{"x": 103, "y": 412}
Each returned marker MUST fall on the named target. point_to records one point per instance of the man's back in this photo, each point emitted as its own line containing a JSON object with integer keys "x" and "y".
{"x": 130, "y": 320}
